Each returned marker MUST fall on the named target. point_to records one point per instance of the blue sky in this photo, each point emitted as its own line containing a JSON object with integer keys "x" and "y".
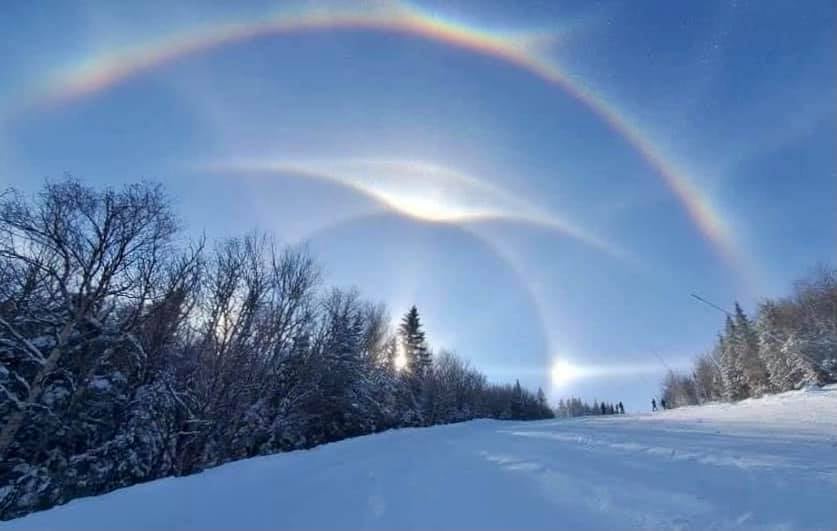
{"x": 511, "y": 169}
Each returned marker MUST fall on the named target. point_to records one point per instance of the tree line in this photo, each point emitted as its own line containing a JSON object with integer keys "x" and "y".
{"x": 129, "y": 352}
{"x": 789, "y": 344}
{"x": 576, "y": 407}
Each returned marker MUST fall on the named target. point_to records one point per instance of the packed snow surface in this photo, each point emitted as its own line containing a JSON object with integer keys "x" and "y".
{"x": 767, "y": 463}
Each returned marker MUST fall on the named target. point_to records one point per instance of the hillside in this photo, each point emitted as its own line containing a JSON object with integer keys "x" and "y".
{"x": 763, "y": 463}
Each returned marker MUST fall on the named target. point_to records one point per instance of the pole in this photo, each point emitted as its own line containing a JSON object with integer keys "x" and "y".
{"x": 713, "y": 305}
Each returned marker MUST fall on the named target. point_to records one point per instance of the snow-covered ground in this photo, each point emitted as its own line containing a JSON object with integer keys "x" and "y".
{"x": 769, "y": 463}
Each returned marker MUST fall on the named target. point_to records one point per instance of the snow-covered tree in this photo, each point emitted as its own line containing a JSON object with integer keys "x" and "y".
{"x": 679, "y": 390}
{"x": 735, "y": 385}
{"x": 543, "y": 410}
{"x": 416, "y": 351}
{"x": 792, "y": 343}
{"x": 707, "y": 377}
{"x": 752, "y": 368}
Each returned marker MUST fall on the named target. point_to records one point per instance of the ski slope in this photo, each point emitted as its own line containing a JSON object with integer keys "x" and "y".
{"x": 768, "y": 463}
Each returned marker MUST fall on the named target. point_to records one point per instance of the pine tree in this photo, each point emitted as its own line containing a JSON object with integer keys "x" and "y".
{"x": 735, "y": 387}
{"x": 771, "y": 341}
{"x": 516, "y": 407}
{"x": 345, "y": 399}
{"x": 416, "y": 352}
{"x": 544, "y": 411}
{"x": 752, "y": 367}
{"x": 389, "y": 352}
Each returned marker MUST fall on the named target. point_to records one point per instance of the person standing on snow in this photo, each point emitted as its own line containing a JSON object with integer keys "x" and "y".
{"x": 653, "y": 404}
{"x": 621, "y": 408}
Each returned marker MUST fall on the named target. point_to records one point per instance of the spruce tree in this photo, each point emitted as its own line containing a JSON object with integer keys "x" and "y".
{"x": 516, "y": 407}
{"x": 752, "y": 367}
{"x": 735, "y": 387}
{"x": 416, "y": 352}
{"x": 390, "y": 352}
{"x": 544, "y": 411}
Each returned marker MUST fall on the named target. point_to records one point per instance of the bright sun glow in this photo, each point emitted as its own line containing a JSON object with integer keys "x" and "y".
{"x": 422, "y": 190}
{"x": 400, "y": 357}
{"x": 564, "y": 372}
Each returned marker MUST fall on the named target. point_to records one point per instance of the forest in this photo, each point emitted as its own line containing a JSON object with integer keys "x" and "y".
{"x": 791, "y": 343}
{"x": 129, "y": 352}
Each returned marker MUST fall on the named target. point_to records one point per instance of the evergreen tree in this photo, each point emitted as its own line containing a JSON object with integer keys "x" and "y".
{"x": 544, "y": 411}
{"x": 516, "y": 407}
{"x": 751, "y": 365}
{"x": 735, "y": 386}
{"x": 346, "y": 399}
{"x": 416, "y": 352}
{"x": 787, "y": 356}
{"x": 390, "y": 353}
{"x": 562, "y": 410}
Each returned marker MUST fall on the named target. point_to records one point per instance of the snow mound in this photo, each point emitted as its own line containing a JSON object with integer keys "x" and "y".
{"x": 759, "y": 464}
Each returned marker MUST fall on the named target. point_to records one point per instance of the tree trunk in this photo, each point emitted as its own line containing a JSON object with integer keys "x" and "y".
{"x": 9, "y": 431}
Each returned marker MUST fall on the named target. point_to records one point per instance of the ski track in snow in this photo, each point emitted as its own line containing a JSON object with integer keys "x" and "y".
{"x": 763, "y": 464}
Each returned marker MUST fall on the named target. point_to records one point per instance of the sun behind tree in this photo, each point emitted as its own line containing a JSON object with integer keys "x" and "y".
{"x": 416, "y": 352}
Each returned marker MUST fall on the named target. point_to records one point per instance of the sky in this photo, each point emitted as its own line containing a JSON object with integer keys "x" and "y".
{"x": 548, "y": 181}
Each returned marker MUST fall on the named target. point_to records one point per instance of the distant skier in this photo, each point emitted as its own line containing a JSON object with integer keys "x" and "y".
{"x": 653, "y": 404}
{"x": 663, "y": 402}
{"x": 621, "y": 408}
